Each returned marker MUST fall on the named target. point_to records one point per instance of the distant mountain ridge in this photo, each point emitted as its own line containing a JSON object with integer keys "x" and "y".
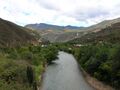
{"x": 43, "y": 26}
{"x": 55, "y": 33}
{"x": 101, "y": 25}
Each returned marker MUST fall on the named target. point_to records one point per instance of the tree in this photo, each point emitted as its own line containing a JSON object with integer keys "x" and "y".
{"x": 30, "y": 75}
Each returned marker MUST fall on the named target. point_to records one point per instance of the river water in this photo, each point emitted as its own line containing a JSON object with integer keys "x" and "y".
{"x": 64, "y": 74}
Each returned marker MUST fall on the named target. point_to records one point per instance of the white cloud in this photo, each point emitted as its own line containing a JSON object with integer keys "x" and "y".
{"x": 60, "y": 12}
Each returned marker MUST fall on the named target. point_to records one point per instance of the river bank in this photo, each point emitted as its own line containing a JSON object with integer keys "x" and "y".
{"x": 39, "y": 87}
{"x": 98, "y": 85}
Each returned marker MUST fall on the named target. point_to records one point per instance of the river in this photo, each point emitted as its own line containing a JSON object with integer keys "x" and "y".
{"x": 64, "y": 74}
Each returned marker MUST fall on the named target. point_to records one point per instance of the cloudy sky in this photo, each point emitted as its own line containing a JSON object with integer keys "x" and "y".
{"x": 59, "y": 12}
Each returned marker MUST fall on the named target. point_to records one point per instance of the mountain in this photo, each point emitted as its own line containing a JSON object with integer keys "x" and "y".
{"x": 109, "y": 34}
{"x": 99, "y": 26}
{"x": 55, "y": 33}
{"x": 13, "y": 35}
{"x": 102, "y": 25}
{"x": 43, "y": 26}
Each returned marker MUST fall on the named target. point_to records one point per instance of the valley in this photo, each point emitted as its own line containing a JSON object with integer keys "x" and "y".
{"x": 33, "y": 56}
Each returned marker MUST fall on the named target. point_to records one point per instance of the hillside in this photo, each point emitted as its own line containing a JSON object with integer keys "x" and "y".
{"x": 108, "y": 34}
{"x": 102, "y": 25}
{"x": 62, "y": 37}
{"x": 13, "y": 35}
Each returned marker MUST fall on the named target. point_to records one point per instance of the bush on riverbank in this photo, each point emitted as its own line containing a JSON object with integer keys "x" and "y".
{"x": 21, "y": 67}
{"x": 101, "y": 61}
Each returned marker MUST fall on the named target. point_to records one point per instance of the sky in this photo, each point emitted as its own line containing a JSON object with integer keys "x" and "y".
{"x": 59, "y": 12}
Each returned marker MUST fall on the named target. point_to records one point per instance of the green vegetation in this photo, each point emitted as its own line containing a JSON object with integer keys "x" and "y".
{"x": 101, "y": 61}
{"x": 99, "y": 54}
{"x": 22, "y": 67}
